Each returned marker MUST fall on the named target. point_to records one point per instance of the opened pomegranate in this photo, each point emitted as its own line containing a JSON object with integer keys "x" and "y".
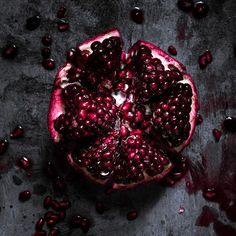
{"x": 121, "y": 114}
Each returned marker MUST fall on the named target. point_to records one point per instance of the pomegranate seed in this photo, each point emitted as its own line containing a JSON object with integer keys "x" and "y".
{"x": 62, "y": 215}
{"x": 48, "y": 64}
{"x": 39, "y": 224}
{"x": 9, "y": 51}
{"x": 217, "y": 134}
{"x": 24, "y": 196}
{"x": 64, "y": 205}
{"x": 48, "y": 215}
{"x": 24, "y": 163}
{"x": 83, "y": 223}
{"x": 137, "y": 15}
{"x": 47, "y": 202}
{"x": 185, "y": 5}
{"x": 46, "y": 40}
{"x": 51, "y": 222}
{"x": 56, "y": 205}
{"x": 33, "y": 23}
{"x": 53, "y": 232}
{"x": 61, "y": 12}
{"x": 63, "y": 26}
{"x": 172, "y": 50}
{"x": 181, "y": 210}
{"x": 132, "y": 215}
{"x": 71, "y": 55}
{"x": 100, "y": 208}
{"x": 46, "y": 52}
{"x": 3, "y": 146}
{"x": 210, "y": 193}
{"x": 40, "y": 233}
{"x": 17, "y": 132}
{"x": 199, "y": 119}
{"x": 230, "y": 124}
{"x": 200, "y": 9}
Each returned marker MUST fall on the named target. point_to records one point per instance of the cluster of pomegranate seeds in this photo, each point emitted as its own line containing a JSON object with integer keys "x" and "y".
{"x": 78, "y": 221}
{"x": 172, "y": 50}
{"x": 9, "y": 51}
{"x": 132, "y": 215}
{"x": 62, "y": 25}
{"x": 3, "y": 146}
{"x": 47, "y": 63}
{"x": 205, "y": 59}
{"x": 24, "y": 196}
{"x": 33, "y": 22}
{"x": 217, "y": 134}
{"x": 137, "y": 15}
{"x": 199, "y": 9}
{"x": 17, "y": 132}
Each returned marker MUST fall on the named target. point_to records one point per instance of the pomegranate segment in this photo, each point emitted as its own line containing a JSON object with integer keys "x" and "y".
{"x": 109, "y": 106}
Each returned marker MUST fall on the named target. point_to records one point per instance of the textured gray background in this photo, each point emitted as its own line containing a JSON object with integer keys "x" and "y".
{"x": 25, "y": 93}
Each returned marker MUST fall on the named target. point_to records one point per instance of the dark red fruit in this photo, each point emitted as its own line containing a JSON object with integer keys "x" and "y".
{"x": 83, "y": 223}
{"x": 230, "y": 124}
{"x": 40, "y": 233}
{"x": 100, "y": 208}
{"x": 17, "y": 132}
{"x": 217, "y": 134}
{"x": 122, "y": 110}
{"x": 47, "y": 202}
{"x": 3, "y": 146}
{"x": 137, "y": 15}
{"x": 48, "y": 64}
{"x": 9, "y": 51}
{"x": 199, "y": 119}
{"x": 61, "y": 12}
{"x": 24, "y": 163}
{"x": 39, "y": 224}
{"x": 172, "y": 50}
{"x": 200, "y": 9}
{"x": 185, "y": 5}
{"x": 205, "y": 59}
{"x": 63, "y": 26}
{"x": 24, "y": 196}
{"x": 210, "y": 193}
{"x": 132, "y": 215}
{"x": 53, "y": 232}
{"x": 46, "y": 40}
{"x": 33, "y": 23}
{"x": 46, "y": 52}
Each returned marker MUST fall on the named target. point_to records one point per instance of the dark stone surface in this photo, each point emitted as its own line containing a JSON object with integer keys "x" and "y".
{"x": 25, "y": 93}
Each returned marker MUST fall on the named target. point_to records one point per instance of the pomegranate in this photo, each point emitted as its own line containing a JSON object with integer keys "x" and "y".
{"x": 122, "y": 113}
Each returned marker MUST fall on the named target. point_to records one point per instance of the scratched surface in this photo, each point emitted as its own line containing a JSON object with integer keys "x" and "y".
{"x": 25, "y": 92}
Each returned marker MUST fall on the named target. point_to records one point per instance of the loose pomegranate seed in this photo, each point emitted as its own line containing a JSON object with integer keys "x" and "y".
{"x": 172, "y": 50}
{"x": 205, "y": 59}
{"x": 55, "y": 205}
{"x": 47, "y": 40}
{"x": 63, "y": 26}
{"x": 217, "y": 134}
{"x": 48, "y": 215}
{"x": 61, "y": 12}
{"x": 53, "y": 232}
{"x": 51, "y": 222}
{"x": 210, "y": 193}
{"x": 199, "y": 119}
{"x": 3, "y": 146}
{"x": 47, "y": 202}
{"x": 64, "y": 205}
{"x": 71, "y": 55}
{"x": 9, "y": 51}
{"x": 230, "y": 124}
{"x": 40, "y": 233}
{"x": 132, "y": 215}
{"x": 200, "y": 9}
{"x": 100, "y": 208}
{"x": 48, "y": 64}
{"x": 137, "y": 15}
{"x": 185, "y": 5}
{"x": 46, "y": 52}
{"x": 24, "y": 163}
{"x": 24, "y": 196}
{"x": 83, "y": 223}
{"x": 17, "y": 132}
{"x": 39, "y": 224}
{"x": 33, "y": 23}
{"x": 181, "y": 210}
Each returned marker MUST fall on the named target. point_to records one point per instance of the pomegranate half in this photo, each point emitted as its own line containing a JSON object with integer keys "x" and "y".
{"x": 121, "y": 114}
